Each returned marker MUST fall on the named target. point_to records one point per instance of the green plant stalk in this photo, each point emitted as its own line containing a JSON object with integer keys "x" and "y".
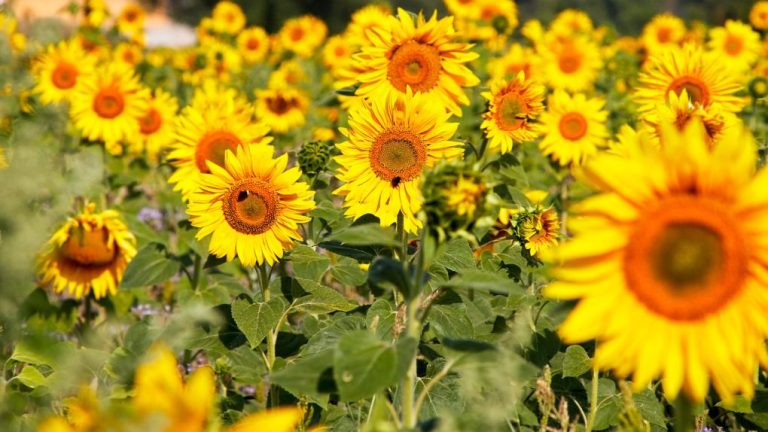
{"x": 265, "y": 296}
{"x": 413, "y": 329}
{"x": 594, "y": 394}
{"x": 684, "y": 418}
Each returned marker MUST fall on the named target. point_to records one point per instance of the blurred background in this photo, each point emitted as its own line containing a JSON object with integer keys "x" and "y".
{"x": 627, "y": 16}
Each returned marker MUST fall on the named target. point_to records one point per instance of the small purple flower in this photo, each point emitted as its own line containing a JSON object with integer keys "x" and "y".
{"x": 151, "y": 217}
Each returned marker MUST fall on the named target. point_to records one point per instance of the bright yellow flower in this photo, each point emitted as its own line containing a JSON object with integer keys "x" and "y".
{"x": 282, "y": 109}
{"x": 391, "y": 141}
{"x": 758, "y": 15}
{"x": 365, "y": 19}
{"x": 689, "y": 68}
{"x": 662, "y": 32}
{"x": 569, "y": 63}
{"x": 284, "y": 419}
{"x": 128, "y": 53}
{"x": 94, "y": 13}
{"x": 533, "y": 30}
{"x": 205, "y": 32}
{"x": 60, "y": 71}
{"x": 227, "y": 17}
{"x": 516, "y": 59}
{"x": 464, "y": 195}
{"x": 539, "y": 229}
{"x": 253, "y": 44}
{"x": 512, "y": 106}
{"x": 289, "y": 74}
{"x": 738, "y": 45}
{"x": 108, "y": 105}
{"x": 252, "y": 206}
{"x": 156, "y": 126}
{"x": 668, "y": 265}
{"x": 131, "y": 19}
{"x": 463, "y": 9}
{"x": 570, "y": 22}
{"x": 337, "y": 53}
{"x": 89, "y": 253}
{"x": 418, "y": 54}
{"x": 574, "y": 127}
{"x": 303, "y": 35}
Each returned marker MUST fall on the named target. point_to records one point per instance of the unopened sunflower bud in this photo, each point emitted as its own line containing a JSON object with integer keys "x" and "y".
{"x": 314, "y": 157}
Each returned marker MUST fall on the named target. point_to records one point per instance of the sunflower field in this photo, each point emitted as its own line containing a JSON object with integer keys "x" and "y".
{"x": 430, "y": 221}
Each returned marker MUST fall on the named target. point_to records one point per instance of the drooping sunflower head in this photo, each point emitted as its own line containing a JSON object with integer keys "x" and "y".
{"x": 88, "y": 254}
{"x": 737, "y": 43}
{"x": 700, "y": 74}
{"x": 573, "y": 127}
{"x": 662, "y": 32}
{"x": 282, "y": 108}
{"x": 758, "y": 15}
{"x": 303, "y": 35}
{"x": 667, "y": 259}
{"x": 252, "y": 205}
{"x": 420, "y": 55}
{"x": 253, "y": 44}
{"x": 61, "y": 70}
{"x": 390, "y": 143}
{"x": 513, "y": 106}
{"x": 570, "y": 63}
{"x": 228, "y": 18}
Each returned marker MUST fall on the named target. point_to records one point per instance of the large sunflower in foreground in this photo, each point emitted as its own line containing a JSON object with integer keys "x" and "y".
{"x": 252, "y": 206}
{"x": 512, "y": 105}
{"x": 390, "y": 143}
{"x": 60, "y": 71}
{"x": 89, "y": 253}
{"x": 702, "y": 75}
{"x": 108, "y": 105}
{"x": 574, "y": 127}
{"x": 419, "y": 54}
{"x": 669, "y": 264}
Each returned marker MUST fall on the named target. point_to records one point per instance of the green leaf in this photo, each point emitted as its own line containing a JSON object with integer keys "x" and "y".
{"x": 381, "y": 318}
{"x": 610, "y": 405}
{"x": 348, "y": 272}
{"x": 482, "y": 280}
{"x": 467, "y": 345}
{"x": 306, "y": 376}
{"x": 257, "y": 319}
{"x": 323, "y": 300}
{"x": 456, "y": 255}
{"x": 451, "y": 321}
{"x": 366, "y": 235}
{"x": 150, "y": 266}
{"x": 388, "y": 273}
{"x": 308, "y": 264}
{"x": 363, "y": 365}
{"x": 31, "y": 377}
{"x": 650, "y": 407}
{"x": 576, "y": 362}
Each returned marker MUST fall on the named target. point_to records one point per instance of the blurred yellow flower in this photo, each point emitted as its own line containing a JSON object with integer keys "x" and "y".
{"x": 227, "y": 17}
{"x": 156, "y": 126}
{"x": 303, "y": 35}
{"x": 60, "y": 71}
{"x": 513, "y": 105}
{"x": 569, "y": 63}
{"x": 758, "y": 15}
{"x": 662, "y": 32}
{"x": 573, "y": 127}
{"x": 253, "y": 44}
{"x": 738, "y": 45}
{"x": 282, "y": 108}
{"x": 130, "y": 22}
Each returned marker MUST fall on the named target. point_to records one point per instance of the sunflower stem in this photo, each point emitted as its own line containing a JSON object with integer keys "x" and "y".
{"x": 403, "y": 252}
{"x": 684, "y": 418}
{"x": 413, "y": 329}
{"x": 594, "y": 391}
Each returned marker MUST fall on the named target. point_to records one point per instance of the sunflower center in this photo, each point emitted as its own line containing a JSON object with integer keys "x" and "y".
{"x": 397, "y": 156}
{"x": 64, "y": 76}
{"x": 89, "y": 247}
{"x": 512, "y": 113}
{"x": 416, "y": 65}
{"x": 573, "y": 126}
{"x": 569, "y": 62}
{"x": 151, "y": 122}
{"x": 253, "y": 44}
{"x": 280, "y": 105}
{"x": 664, "y": 35}
{"x": 212, "y": 147}
{"x": 733, "y": 45}
{"x": 109, "y": 103}
{"x": 695, "y": 88}
{"x": 297, "y": 34}
{"x": 686, "y": 258}
{"x": 251, "y": 206}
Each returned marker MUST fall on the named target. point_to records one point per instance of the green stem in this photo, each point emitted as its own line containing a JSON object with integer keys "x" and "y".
{"x": 401, "y": 234}
{"x": 272, "y": 335}
{"x": 413, "y": 329}
{"x": 594, "y": 402}
{"x": 684, "y": 418}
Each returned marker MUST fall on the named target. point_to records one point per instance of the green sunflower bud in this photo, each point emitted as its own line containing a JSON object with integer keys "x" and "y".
{"x": 314, "y": 156}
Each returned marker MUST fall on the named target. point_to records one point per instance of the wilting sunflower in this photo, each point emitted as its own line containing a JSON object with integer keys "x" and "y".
{"x": 390, "y": 143}
{"x": 282, "y": 108}
{"x": 60, "y": 71}
{"x": 574, "y": 127}
{"x": 303, "y": 35}
{"x": 204, "y": 132}
{"x": 89, "y": 253}
{"x": 569, "y": 63}
{"x": 689, "y": 68}
{"x": 662, "y": 32}
{"x": 156, "y": 126}
{"x": 253, "y": 44}
{"x": 758, "y": 15}
{"x": 131, "y": 20}
{"x": 738, "y": 45}
{"x": 227, "y": 17}
{"x": 512, "y": 105}
{"x": 108, "y": 105}
{"x": 252, "y": 205}
{"x": 668, "y": 265}
{"x": 417, "y": 54}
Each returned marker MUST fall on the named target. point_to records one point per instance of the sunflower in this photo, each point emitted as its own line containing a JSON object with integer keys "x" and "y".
{"x": 283, "y": 419}
{"x": 463, "y": 9}
{"x": 253, "y": 44}
{"x": 337, "y": 54}
{"x": 417, "y": 54}
{"x": 366, "y": 18}
{"x": 303, "y": 35}
{"x": 738, "y": 45}
{"x": 574, "y": 127}
{"x": 227, "y": 17}
{"x": 282, "y": 108}
{"x": 60, "y": 71}
{"x": 516, "y": 59}
{"x": 668, "y": 265}
{"x": 88, "y": 253}
{"x": 538, "y": 229}
{"x": 758, "y": 15}
{"x": 390, "y": 143}
{"x": 569, "y": 63}
{"x": 131, "y": 19}
{"x": 662, "y": 32}
{"x": 128, "y": 53}
{"x": 94, "y": 13}
{"x": 512, "y": 105}
{"x": 289, "y": 73}
{"x": 689, "y": 68}
{"x": 108, "y": 105}
{"x": 204, "y": 131}
{"x": 156, "y": 126}
{"x": 252, "y": 205}
{"x": 570, "y": 22}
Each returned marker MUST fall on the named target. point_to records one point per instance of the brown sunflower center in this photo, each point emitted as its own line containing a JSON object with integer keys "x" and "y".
{"x": 664, "y": 35}
{"x": 686, "y": 258}
{"x": 213, "y": 146}
{"x": 397, "y": 156}
{"x": 251, "y": 206}
{"x": 696, "y": 89}
{"x": 733, "y": 45}
{"x": 129, "y": 56}
{"x": 569, "y": 61}
{"x": 281, "y": 105}
{"x": 89, "y": 247}
{"x": 512, "y": 113}
{"x": 253, "y": 44}
{"x": 109, "y": 103}
{"x": 151, "y": 122}
{"x": 64, "y": 76}
{"x": 416, "y": 65}
{"x": 131, "y": 16}
{"x": 573, "y": 126}
{"x": 297, "y": 34}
